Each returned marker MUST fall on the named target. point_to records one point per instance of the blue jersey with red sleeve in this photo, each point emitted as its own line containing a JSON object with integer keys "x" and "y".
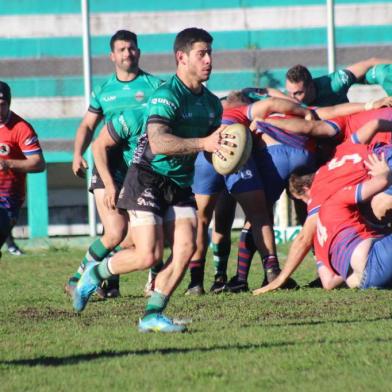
{"x": 17, "y": 140}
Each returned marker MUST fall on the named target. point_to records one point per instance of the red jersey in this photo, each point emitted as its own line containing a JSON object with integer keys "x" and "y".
{"x": 340, "y": 229}
{"x": 351, "y": 123}
{"x": 345, "y": 169}
{"x": 17, "y": 140}
{"x": 239, "y": 114}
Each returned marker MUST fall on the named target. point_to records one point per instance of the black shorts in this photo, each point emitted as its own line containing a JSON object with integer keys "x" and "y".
{"x": 146, "y": 190}
{"x": 97, "y": 183}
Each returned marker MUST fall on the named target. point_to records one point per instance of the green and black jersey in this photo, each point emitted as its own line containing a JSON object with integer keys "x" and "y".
{"x": 188, "y": 115}
{"x": 125, "y": 129}
{"x": 332, "y": 89}
{"x": 115, "y": 96}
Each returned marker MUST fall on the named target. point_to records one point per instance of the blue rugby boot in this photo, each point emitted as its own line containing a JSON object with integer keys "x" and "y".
{"x": 87, "y": 285}
{"x": 159, "y": 323}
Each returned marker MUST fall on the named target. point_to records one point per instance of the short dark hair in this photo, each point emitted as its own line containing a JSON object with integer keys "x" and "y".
{"x": 238, "y": 97}
{"x": 300, "y": 179}
{"x": 299, "y": 73}
{"x": 186, "y": 38}
{"x": 123, "y": 35}
{"x": 5, "y": 92}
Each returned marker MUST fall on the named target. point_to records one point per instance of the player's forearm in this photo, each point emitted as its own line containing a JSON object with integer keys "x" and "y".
{"x": 300, "y": 247}
{"x": 101, "y": 161}
{"x": 83, "y": 138}
{"x": 33, "y": 164}
{"x": 294, "y": 125}
{"x": 365, "y": 134}
{"x": 278, "y": 105}
{"x": 343, "y": 109}
{"x": 169, "y": 144}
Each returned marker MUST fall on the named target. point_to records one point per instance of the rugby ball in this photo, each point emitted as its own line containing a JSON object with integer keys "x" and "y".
{"x": 226, "y": 163}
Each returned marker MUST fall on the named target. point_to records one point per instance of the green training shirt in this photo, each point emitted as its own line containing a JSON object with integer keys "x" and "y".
{"x": 188, "y": 115}
{"x": 115, "y": 96}
{"x": 332, "y": 89}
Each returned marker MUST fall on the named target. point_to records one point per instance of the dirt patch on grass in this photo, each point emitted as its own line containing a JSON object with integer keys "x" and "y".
{"x": 46, "y": 313}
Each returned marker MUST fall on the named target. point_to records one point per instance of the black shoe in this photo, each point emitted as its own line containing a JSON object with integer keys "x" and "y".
{"x": 236, "y": 286}
{"x": 110, "y": 288}
{"x": 314, "y": 284}
{"x": 219, "y": 284}
{"x": 272, "y": 273}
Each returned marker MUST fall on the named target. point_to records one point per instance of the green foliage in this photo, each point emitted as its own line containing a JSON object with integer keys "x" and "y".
{"x": 302, "y": 340}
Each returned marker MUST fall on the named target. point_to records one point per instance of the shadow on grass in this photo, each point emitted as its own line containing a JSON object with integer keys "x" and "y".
{"x": 79, "y": 358}
{"x": 289, "y": 323}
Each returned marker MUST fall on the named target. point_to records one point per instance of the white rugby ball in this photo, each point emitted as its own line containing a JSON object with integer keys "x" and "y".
{"x": 226, "y": 163}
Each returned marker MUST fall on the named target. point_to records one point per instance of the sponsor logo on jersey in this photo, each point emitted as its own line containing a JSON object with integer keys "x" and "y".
{"x": 109, "y": 98}
{"x": 187, "y": 116}
{"x": 143, "y": 202}
{"x": 246, "y": 174}
{"x": 343, "y": 76}
{"x": 139, "y": 96}
{"x": 123, "y": 123}
{"x": 4, "y": 149}
{"x": 148, "y": 193}
{"x": 31, "y": 140}
{"x": 163, "y": 101}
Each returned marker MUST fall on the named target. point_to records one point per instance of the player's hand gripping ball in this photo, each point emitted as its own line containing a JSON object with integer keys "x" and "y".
{"x": 235, "y": 151}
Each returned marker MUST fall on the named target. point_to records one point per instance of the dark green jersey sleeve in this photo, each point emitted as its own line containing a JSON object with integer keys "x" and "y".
{"x": 163, "y": 108}
{"x": 332, "y": 89}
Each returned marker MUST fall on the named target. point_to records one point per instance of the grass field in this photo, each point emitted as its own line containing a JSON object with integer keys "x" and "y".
{"x": 303, "y": 340}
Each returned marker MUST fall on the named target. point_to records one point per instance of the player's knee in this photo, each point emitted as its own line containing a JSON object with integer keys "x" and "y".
{"x": 113, "y": 236}
{"x": 149, "y": 260}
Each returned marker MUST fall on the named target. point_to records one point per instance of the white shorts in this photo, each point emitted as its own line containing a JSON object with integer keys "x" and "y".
{"x": 147, "y": 218}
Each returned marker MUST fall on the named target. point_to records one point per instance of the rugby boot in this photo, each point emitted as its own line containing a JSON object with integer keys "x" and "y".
{"x": 87, "y": 285}
{"x": 234, "y": 285}
{"x": 159, "y": 323}
{"x": 195, "y": 289}
{"x": 219, "y": 284}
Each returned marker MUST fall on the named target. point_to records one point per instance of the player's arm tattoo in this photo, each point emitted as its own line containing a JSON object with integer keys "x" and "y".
{"x": 162, "y": 141}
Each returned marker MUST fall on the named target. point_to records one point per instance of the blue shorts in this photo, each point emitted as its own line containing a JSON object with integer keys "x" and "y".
{"x": 276, "y": 163}
{"x": 378, "y": 271}
{"x": 208, "y": 182}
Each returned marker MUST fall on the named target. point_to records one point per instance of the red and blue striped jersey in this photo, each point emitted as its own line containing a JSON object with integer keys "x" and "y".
{"x": 17, "y": 140}
{"x": 340, "y": 228}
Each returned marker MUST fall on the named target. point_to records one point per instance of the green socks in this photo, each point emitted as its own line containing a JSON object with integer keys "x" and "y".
{"x": 96, "y": 252}
{"x": 156, "y": 304}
